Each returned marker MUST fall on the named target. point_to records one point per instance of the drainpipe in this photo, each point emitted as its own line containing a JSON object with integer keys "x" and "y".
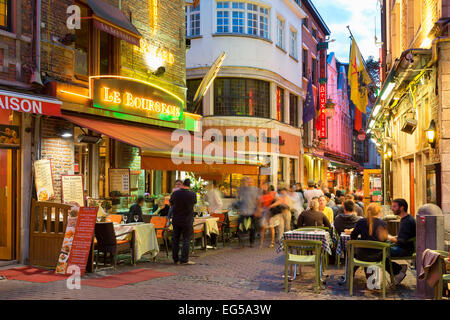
{"x": 36, "y": 76}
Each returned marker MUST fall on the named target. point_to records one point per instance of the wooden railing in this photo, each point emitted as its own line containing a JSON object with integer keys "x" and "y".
{"x": 47, "y": 228}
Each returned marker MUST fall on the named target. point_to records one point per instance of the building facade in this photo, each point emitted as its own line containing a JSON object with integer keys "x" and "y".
{"x": 410, "y": 118}
{"x": 259, "y": 87}
{"x": 314, "y": 32}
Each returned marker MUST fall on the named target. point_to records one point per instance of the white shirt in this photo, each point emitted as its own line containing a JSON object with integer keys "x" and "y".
{"x": 295, "y": 198}
{"x": 214, "y": 200}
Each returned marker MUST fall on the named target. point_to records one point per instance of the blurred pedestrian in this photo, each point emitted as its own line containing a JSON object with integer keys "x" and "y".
{"x": 270, "y": 218}
{"x": 213, "y": 198}
{"x": 297, "y": 204}
{"x": 286, "y": 203}
{"x": 248, "y": 196}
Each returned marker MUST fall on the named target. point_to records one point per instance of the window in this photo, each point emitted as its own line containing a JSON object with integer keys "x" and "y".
{"x": 107, "y": 49}
{"x": 192, "y": 87}
{"x": 280, "y": 169}
{"x": 292, "y": 166}
{"x": 241, "y": 17}
{"x": 314, "y": 70}
{"x": 293, "y": 110}
{"x": 293, "y": 44}
{"x": 5, "y": 14}
{"x": 305, "y": 63}
{"x": 280, "y": 33}
{"x": 241, "y": 97}
{"x": 305, "y": 22}
{"x": 280, "y": 104}
{"x": 192, "y": 21}
{"x": 314, "y": 33}
{"x": 82, "y": 40}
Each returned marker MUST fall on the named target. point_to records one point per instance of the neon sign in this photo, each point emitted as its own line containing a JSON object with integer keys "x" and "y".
{"x": 135, "y": 97}
{"x": 155, "y": 52}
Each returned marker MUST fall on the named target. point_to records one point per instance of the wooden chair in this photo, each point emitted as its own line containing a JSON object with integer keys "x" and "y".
{"x": 231, "y": 227}
{"x": 221, "y": 224}
{"x": 303, "y": 260}
{"x": 162, "y": 231}
{"x": 199, "y": 233}
{"x": 117, "y": 218}
{"x": 353, "y": 262}
{"x": 443, "y": 263}
{"x": 106, "y": 242}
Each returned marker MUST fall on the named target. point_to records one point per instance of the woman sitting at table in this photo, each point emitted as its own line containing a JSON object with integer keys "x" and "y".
{"x": 313, "y": 217}
{"x": 136, "y": 210}
{"x": 370, "y": 228}
{"x": 163, "y": 208}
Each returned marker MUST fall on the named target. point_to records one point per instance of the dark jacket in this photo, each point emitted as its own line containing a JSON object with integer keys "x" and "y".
{"x": 135, "y": 210}
{"x": 345, "y": 221}
{"x": 183, "y": 202}
{"x": 311, "y": 218}
{"x": 362, "y": 231}
{"x": 358, "y": 210}
{"x": 406, "y": 231}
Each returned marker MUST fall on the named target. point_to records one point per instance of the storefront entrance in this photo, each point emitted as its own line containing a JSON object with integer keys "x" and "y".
{"x": 7, "y": 204}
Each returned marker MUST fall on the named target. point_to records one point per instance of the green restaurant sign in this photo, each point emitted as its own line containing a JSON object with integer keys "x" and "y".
{"x": 135, "y": 97}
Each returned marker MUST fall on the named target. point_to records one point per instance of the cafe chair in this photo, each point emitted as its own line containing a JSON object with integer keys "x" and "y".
{"x": 313, "y": 246}
{"x": 116, "y": 218}
{"x": 445, "y": 278}
{"x": 231, "y": 227}
{"x": 146, "y": 218}
{"x": 411, "y": 258}
{"x": 325, "y": 256}
{"x": 162, "y": 231}
{"x": 199, "y": 233}
{"x": 353, "y": 262}
{"x": 106, "y": 242}
{"x": 221, "y": 224}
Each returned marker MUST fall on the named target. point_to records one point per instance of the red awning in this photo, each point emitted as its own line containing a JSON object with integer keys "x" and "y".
{"x": 156, "y": 146}
{"x": 10, "y": 100}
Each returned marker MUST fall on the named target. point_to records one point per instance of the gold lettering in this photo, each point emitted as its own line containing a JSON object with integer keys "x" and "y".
{"x": 128, "y": 99}
{"x": 158, "y": 107}
{"x": 117, "y": 99}
{"x": 106, "y": 96}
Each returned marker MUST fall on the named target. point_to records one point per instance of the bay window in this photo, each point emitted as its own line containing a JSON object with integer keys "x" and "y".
{"x": 192, "y": 21}
{"x": 280, "y": 33}
{"x": 242, "y": 18}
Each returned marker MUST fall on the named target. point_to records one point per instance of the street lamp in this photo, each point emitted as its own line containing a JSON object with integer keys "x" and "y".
{"x": 431, "y": 134}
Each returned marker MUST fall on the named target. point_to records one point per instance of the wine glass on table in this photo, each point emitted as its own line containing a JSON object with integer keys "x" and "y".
{"x": 136, "y": 218}
{"x": 125, "y": 217}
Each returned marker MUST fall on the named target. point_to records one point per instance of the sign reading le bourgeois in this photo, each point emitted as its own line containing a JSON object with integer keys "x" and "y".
{"x": 136, "y": 98}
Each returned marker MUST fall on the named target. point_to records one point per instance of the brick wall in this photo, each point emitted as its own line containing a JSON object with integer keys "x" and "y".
{"x": 59, "y": 150}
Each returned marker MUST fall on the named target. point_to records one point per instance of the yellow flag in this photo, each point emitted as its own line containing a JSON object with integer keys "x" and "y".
{"x": 358, "y": 79}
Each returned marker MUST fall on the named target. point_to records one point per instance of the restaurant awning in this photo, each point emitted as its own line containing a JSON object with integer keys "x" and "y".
{"x": 113, "y": 21}
{"x": 156, "y": 147}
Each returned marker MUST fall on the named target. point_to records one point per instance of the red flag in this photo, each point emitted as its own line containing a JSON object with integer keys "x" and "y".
{"x": 196, "y": 3}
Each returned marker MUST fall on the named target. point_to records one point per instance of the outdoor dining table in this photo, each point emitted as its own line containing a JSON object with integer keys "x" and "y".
{"x": 210, "y": 224}
{"x": 145, "y": 240}
{"x": 342, "y": 249}
{"x": 317, "y": 235}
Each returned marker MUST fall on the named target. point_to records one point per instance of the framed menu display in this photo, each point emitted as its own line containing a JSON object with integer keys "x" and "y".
{"x": 43, "y": 180}
{"x": 72, "y": 189}
{"x": 119, "y": 182}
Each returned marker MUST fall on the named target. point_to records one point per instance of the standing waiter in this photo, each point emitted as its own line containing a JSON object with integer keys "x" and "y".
{"x": 182, "y": 201}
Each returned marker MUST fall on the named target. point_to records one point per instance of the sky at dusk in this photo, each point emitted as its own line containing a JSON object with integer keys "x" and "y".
{"x": 360, "y": 15}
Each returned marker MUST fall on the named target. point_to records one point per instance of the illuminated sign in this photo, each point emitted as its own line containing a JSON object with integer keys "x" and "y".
{"x": 322, "y": 115}
{"x": 153, "y": 14}
{"x": 131, "y": 96}
{"x": 150, "y": 51}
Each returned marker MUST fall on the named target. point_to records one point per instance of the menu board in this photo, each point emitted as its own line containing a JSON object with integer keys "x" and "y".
{"x": 119, "y": 182}
{"x": 43, "y": 180}
{"x": 78, "y": 240}
{"x": 72, "y": 189}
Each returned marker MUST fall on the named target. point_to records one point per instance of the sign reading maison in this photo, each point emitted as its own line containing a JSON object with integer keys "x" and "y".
{"x": 129, "y": 96}
{"x": 30, "y": 104}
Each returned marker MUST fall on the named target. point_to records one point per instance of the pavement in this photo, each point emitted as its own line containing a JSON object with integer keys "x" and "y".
{"x": 228, "y": 273}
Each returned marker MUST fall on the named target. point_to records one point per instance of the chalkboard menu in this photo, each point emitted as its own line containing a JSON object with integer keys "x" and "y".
{"x": 43, "y": 180}
{"x": 119, "y": 182}
{"x": 72, "y": 189}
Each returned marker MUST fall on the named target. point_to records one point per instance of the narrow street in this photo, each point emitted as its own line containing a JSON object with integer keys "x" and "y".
{"x": 225, "y": 274}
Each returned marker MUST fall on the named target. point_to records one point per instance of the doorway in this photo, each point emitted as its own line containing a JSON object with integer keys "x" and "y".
{"x": 8, "y": 180}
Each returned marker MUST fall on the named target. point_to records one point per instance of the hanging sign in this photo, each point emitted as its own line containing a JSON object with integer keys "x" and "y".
{"x": 72, "y": 190}
{"x": 135, "y": 97}
{"x": 322, "y": 127}
{"x": 28, "y": 103}
{"x": 43, "y": 180}
{"x": 77, "y": 240}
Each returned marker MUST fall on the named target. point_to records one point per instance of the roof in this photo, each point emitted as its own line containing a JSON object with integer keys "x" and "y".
{"x": 317, "y": 17}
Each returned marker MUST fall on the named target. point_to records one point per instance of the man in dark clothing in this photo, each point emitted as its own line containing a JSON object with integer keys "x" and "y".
{"x": 357, "y": 209}
{"x": 406, "y": 231}
{"x": 348, "y": 219}
{"x": 182, "y": 201}
{"x": 136, "y": 210}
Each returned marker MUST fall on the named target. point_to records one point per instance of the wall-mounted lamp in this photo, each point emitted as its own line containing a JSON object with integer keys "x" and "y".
{"x": 431, "y": 134}
{"x": 388, "y": 155}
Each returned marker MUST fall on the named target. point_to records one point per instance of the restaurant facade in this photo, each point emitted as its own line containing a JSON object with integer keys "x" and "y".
{"x": 93, "y": 107}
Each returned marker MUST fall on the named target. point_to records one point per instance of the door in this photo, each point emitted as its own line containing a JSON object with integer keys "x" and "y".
{"x": 372, "y": 186}
{"x": 7, "y": 208}
{"x": 412, "y": 198}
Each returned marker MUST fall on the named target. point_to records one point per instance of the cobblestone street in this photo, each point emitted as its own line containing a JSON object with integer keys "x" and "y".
{"x": 225, "y": 274}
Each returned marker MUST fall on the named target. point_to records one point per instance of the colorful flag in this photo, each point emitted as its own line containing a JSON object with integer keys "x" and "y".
{"x": 309, "y": 110}
{"x": 196, "y": 3}
{"x": 358, "y": 79}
